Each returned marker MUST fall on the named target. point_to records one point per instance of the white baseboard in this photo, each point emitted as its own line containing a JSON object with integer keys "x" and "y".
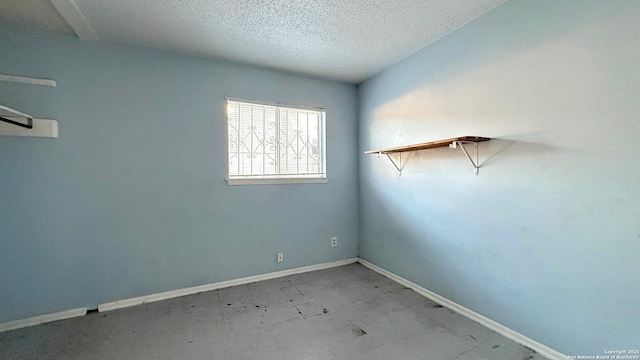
{"x": 17, "y": 324}
{"x": 500, "y": 329}
{"x": 219, "y": 285}
{"x": 37, "y": 320}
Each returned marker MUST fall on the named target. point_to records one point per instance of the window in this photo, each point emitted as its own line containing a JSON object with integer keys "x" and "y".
{"x": 273, "y": 143}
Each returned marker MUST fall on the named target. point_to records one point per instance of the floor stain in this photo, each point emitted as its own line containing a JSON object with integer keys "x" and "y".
{"x": 531, "y": 353}
{"x": 342, "y": 323}
{"x": 495, "y": 346}
{"x": 299, "y": 312}
{"x": 358, "y": 331}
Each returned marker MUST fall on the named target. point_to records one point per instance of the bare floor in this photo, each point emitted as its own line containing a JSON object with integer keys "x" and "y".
{"x": 349, "y": 312}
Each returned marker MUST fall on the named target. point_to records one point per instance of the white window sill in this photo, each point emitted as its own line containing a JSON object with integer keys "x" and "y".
{"x": 323, "y": 180}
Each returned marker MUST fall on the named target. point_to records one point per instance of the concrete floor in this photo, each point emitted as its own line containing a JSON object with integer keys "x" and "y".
{"x": 349, "y": 312}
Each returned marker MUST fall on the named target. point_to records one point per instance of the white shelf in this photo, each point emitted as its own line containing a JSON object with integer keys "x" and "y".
{"x": 41, "y": 128}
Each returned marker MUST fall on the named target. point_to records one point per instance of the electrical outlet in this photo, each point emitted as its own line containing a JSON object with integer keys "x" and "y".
{"x": 334, "y": 241}
{"x": 280, "y": 257}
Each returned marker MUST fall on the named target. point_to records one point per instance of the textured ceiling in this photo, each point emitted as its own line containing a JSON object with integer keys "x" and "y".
{"x": 335, "y": 39}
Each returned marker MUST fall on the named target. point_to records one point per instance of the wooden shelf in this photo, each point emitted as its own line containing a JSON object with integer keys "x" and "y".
{"x": 453, "y": 143}
{"x": 428, "y": 145}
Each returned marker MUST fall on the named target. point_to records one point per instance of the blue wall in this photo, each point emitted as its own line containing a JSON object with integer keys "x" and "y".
{"x": 131, "y": 199}
{"x": 546, "y": 239}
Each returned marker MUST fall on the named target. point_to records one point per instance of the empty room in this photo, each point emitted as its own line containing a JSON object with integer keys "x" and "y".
{"x": 312, "y": 179}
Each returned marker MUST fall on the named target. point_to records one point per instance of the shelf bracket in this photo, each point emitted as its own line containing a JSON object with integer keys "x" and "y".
{"x": 398, "y": 165}
{"x": 456, "y": 143}
{"x": 452, "y": 143}
{"x": 28, "y": 125}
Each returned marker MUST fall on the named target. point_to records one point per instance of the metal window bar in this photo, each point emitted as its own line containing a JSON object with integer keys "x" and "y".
{"x": 251, "y": 132}
{"x": 277, "y": 140}
{"x": 300, "y": 148}
{"x": 298, "y": 138}
{"x": 307, "y": 142}
{"x": 264, "y": 143}
{"x": 281, "y": 148}
{"x": 287, "y": 142}
{"x": 239, "y": 135}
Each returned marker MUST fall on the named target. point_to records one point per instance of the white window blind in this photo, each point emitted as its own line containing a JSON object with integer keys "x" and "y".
{"x": 268, "y": 141}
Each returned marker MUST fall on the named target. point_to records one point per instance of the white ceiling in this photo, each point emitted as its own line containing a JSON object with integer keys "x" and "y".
{"x": 335, "y": 39}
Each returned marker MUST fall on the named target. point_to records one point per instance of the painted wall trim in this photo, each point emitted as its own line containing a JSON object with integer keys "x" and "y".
{"x": 75, "y": 18}
{"x": 27, "y": 80}
{"x": 37, "y": 320}
{"x": 486, "y": 322}
{"x": 219, "y": 285}
{"x": 323, "y": 180}
{"x": 500, "y": 329}
{"x": 42, "y": 319}
{"x": 41, "y": 128}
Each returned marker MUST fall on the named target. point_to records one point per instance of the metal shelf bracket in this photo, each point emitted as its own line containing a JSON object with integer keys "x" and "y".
{"x": 15, "y": 117}
{"x": 28, "y": 125}
{"x": 456, "y": 143}
{"x": 452, "y": 143}
{"x": 398, "y": 165}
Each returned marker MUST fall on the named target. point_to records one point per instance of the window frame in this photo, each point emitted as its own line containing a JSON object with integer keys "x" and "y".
{"x": 284, "y": 178}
